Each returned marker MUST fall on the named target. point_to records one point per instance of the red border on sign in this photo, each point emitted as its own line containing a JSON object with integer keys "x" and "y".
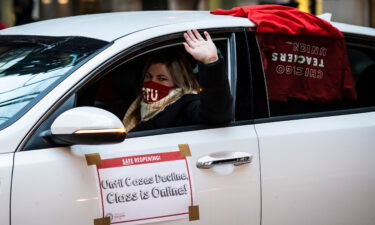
{"x": 154, "y": 158}
{"x": 191, "y": 192}
{"x": 101, "y": 191}
{"x": 140, "y": 159}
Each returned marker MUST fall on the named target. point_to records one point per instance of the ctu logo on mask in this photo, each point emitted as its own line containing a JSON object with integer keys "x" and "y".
{"x": 153, "y": 92}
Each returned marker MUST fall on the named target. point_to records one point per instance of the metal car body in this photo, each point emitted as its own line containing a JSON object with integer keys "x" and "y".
{"x": 306, "y": 168}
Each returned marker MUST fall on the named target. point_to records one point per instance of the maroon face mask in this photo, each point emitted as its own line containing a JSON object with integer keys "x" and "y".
{"x": 153, "y": 92}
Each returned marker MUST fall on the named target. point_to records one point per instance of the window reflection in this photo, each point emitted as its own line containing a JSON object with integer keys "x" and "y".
{"x": 27, "y": 71}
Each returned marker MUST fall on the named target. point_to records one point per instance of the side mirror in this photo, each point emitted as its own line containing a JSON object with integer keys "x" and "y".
{"x": 86, "y": 125}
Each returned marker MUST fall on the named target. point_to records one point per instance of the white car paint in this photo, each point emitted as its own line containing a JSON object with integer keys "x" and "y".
{"x": 354, "y": 29}
{"x": 319, "y": 170}
{"x": 6, "y": 163}
{"x": 112, "y": 26}
{"x": 85, "y": 118}
{"x": 74, "y": 208}
{"x": 12, "y": 136}
{"x": 68, "y": 192}
{"x": 54, "y": 185}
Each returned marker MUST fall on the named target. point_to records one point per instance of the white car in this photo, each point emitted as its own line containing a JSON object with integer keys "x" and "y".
{"x": 271, "y": 165}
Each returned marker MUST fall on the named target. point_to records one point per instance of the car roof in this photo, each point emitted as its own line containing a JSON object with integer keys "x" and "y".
{"x": 111, "y": 26}
{"x": 354, "y": 29}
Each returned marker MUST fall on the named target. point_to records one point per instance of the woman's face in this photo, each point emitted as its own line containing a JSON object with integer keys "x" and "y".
{"x": 159, "y": 73}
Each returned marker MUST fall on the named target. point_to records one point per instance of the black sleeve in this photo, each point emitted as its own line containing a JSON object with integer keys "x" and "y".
{"x": 215, "y": 105}
{"x": 173, "y": 115}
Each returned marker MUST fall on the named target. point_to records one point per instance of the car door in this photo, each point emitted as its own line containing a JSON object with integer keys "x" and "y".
{"x": 54, "y": 185}
{"x": 6, "y": 165}
{"x": 317, "y": 165}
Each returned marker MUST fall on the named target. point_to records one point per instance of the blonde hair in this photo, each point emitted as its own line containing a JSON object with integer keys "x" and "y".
{"x": 179, "y": 68}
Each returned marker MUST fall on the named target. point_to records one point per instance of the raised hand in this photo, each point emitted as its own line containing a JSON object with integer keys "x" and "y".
{"x": 202, "y": 50}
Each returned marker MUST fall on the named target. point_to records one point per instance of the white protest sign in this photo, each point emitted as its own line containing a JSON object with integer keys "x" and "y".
{"x": 145, "y": 188}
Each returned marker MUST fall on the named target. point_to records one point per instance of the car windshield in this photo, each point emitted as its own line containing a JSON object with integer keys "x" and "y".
{"x": 28, "y": 69}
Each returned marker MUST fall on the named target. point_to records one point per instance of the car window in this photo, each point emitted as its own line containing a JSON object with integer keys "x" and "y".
{"x": 251, "y": 102}
{"x": 361, "y": 56}
{"x": 243, "y": 96}
{"x": 362, "y": 60}
{"x": 115, "y": 86}
{"x": 116, "y": 90}
{"x": 28, "y": 69}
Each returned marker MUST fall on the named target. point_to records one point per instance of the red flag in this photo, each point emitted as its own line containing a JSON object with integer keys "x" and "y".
{"x": 303, "y": 56}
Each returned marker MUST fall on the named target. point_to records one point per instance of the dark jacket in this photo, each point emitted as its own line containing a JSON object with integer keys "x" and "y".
{"x": 213, "y": 105}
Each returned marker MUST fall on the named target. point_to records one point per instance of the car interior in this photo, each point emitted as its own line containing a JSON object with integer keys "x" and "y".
{"x": 117, "y": 89}
{"x": 362, "y": 62}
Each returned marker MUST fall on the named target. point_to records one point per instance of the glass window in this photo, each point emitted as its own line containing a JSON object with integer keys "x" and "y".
{"x": 243, "y": 91}
{"x": 26, "y": 70}
{"x": 117, "y": 90}
{"x": 361, "y": 60}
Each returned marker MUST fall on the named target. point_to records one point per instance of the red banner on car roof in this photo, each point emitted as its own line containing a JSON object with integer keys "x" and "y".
{"x": 303, "y": 56}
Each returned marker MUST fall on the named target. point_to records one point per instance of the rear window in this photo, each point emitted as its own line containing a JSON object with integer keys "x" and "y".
{"x": 30, "y": 66}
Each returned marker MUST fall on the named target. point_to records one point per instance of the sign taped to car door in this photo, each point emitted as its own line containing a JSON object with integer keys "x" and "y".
{"x": 145, "y": 188}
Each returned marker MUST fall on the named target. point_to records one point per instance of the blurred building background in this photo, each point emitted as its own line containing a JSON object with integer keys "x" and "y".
{"x": 16, "y": 12}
